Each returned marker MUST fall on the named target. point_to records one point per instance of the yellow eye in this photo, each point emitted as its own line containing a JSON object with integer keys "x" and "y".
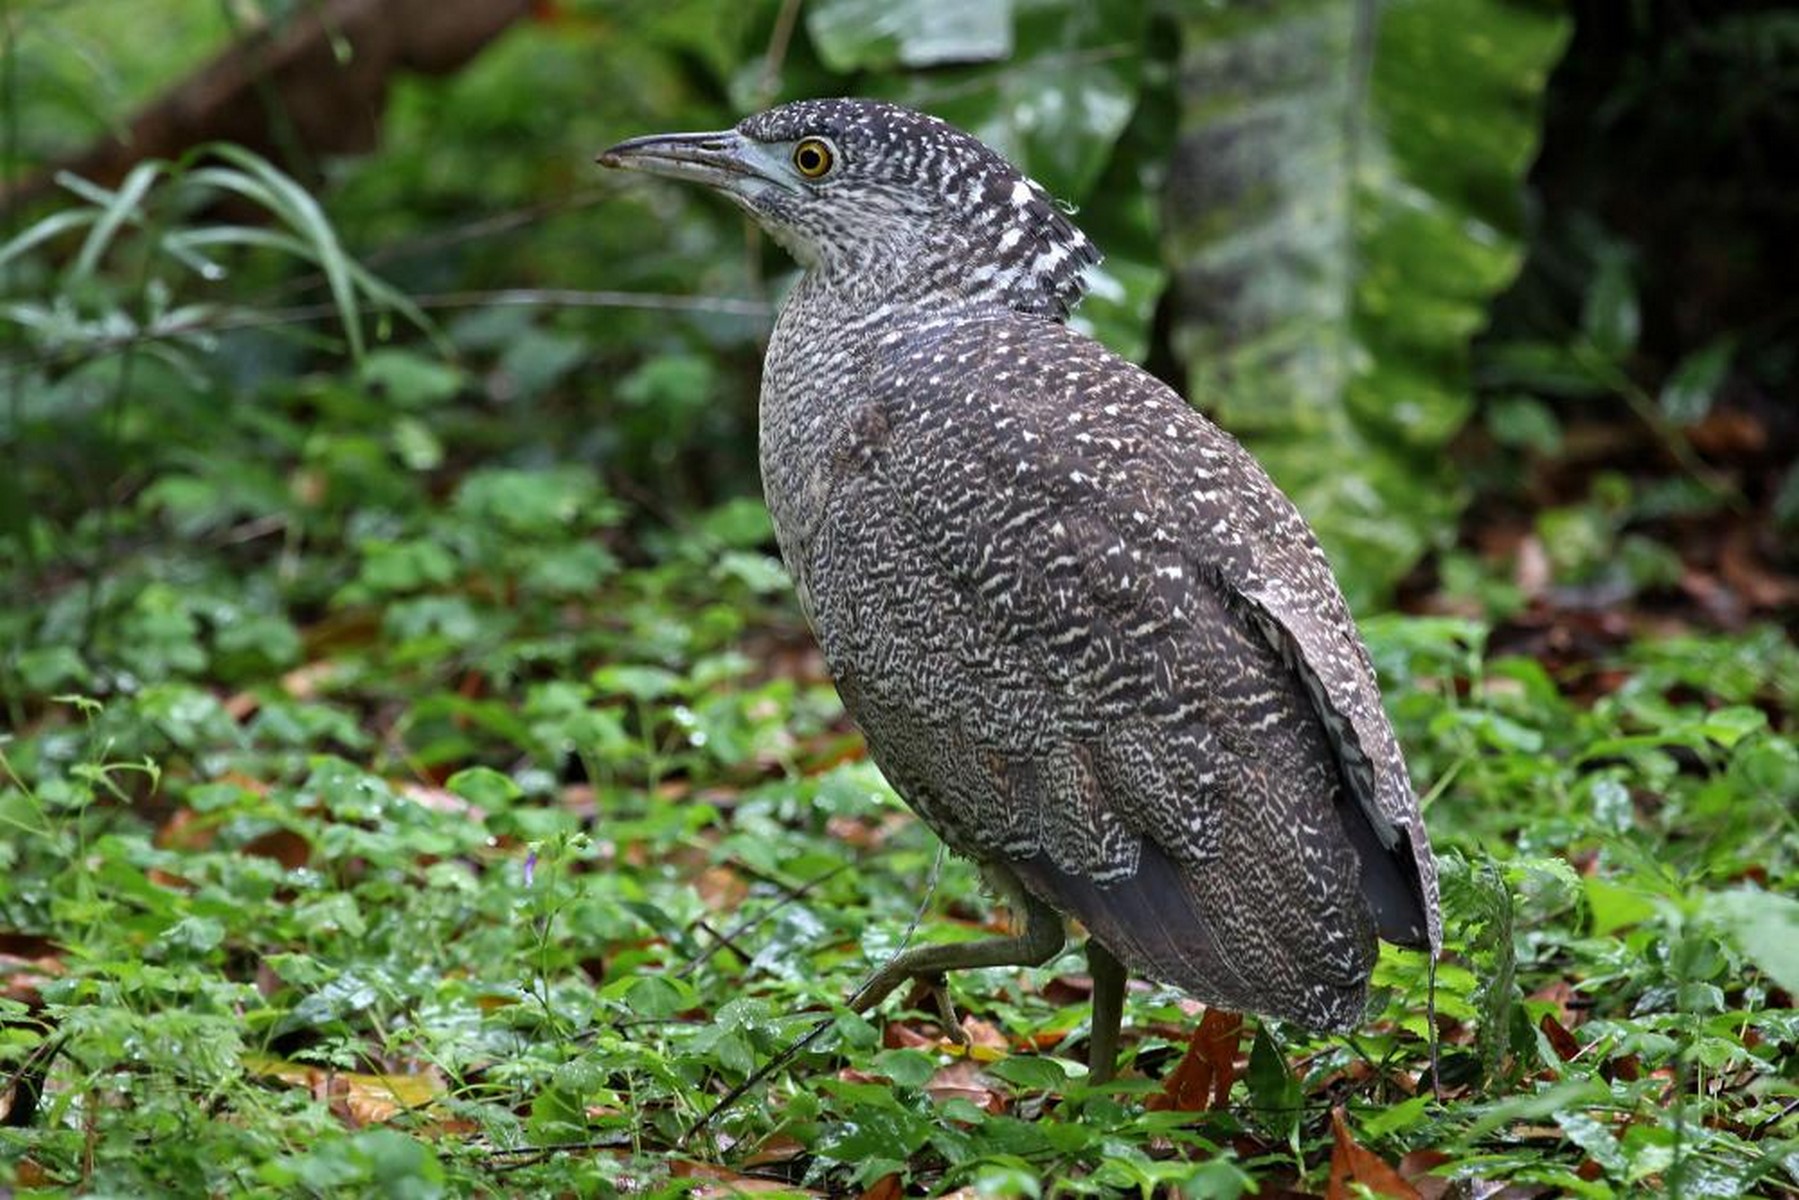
{"x": 812, "y": 158}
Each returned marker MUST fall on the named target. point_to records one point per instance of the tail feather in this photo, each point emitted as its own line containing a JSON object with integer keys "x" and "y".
{"x": 1156, "y": 923}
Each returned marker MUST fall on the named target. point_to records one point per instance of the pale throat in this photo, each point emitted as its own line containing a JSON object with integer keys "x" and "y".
{"x": 918, "y": 266}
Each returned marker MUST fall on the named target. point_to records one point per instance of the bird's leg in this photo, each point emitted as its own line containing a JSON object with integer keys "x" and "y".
{"x": 1109, "y": 978}
{"x": 937, "y": 988}
{"x": 946, "y": 1010}
{"x": 1041, "y": 939}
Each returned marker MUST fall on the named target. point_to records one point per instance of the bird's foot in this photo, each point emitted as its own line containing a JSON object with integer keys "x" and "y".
{"x": 936, "y": 987}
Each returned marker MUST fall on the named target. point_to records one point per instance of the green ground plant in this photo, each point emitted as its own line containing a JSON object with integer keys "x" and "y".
{"x": 403, "y": 794}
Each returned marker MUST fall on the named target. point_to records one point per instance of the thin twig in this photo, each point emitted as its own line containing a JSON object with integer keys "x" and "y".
{"x": 730, "y": 1098}
{"x": 530, "y": 1156}
{"x": 793, "y": 1049}
{"x": 1672, "y": 438}
{"x": 27, "y": 1083}
{"x": 230, "y": 320}
{"x": 720, "y": 941}
{"x": 1430, "y": 1022}
{"x": 437, "y": 241}
{"x": 770, "y": 84}
{"x": 749, "y": 923}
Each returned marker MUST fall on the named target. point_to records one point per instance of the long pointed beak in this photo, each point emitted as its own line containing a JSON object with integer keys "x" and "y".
{"x": 722, "y": 160}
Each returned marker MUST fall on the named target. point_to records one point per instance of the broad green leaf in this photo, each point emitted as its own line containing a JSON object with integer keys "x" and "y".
{"x": 1611, "y": 317}
{"x": 1342, "y": 204}
{"x": 484, "y": 786}
{"x": 738, "y": 524}
{"x": 1274, "y": 1093}
{"x": 853, "y": 34}
{"x": 1545, "y": 368}
{"x": 1543, "y": 884}
{"x": 1594, "y": 1138}
{"x": 1560, "y": 1097}
{"x": 907, "y": 1068}
{"x": 417, "y": 444}
{"x": 1728, "y": 726}
{"x": 1526, "y": 422}
{"x": 638, "y": 682}
{"x": 1765, "y": 926}
{"x": 1397, "y": 1118}
{"x": 190, "y": 935}
{"x": 1029, "y": 1071}
{"x": 1688, "y": 394}
{"x": 657, "y": 996}
{"x": 761, "y": 573}
{"x": 556, "y": 1116}
{"x": 1614, "y": 907}
{"x": 671, "y": 381}
{"x": 411, "y": 380}
{"x": 1218, "y": 1179}
{"x": 535, "y": 504}
{"x": 1058, "y": 102}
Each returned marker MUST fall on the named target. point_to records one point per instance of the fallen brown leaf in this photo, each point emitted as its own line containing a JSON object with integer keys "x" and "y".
{"x": 1351, "y": 1163}
{"x": 864, "y": 834}
{"x": 31, "y": 1173}
{"x": 355, "y": 1098}
{"x": 721, "y": 889}
{"x": 23, "y": 977}
{"x": 1729, "y": 433}
{"x": 1565, "y": 1044}
{"x": 776, "y": 1148}
{"x": 887, "y": 1187}
{"x": 963, "y": 1080}
{"x": 304, "y": 682}
{"x": 898, "y": 1035}
{"x": 1742, "y": 568}
{"x": 439, "y": 799}
{"x": 1560, "y": 992}
{"x": 185, "y": 830}
{"x": 984, "y": 1034}
{"x": 1416, "y": 1167}
{"x": 1203, "y": 1077}
{"x": 241, "y": 706}
{"x": 1068, "y": 989}
{"x": 29, "y": 945}
{"x": 735, "y": 1183}
{"x": 1627, "y": 1067}
{"x": 283, "y": 845}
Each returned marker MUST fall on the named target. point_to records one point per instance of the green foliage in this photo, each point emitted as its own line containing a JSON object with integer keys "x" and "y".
{"x": 1616, "y": 321}
{"x": 114, "y": 394}
{"x": 629, "y": 894}
{"x": 1343, "y": 204}
{"x": 403, "y": 796}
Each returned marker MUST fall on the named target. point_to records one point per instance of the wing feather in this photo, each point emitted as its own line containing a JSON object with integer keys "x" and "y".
{"x": 1110, "y": 652}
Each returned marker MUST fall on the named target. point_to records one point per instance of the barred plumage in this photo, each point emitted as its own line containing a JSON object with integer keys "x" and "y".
{"x": 1087, "y": 638}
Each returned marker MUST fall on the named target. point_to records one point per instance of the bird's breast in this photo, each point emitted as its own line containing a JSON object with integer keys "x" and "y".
{"x": 819, "y": 427}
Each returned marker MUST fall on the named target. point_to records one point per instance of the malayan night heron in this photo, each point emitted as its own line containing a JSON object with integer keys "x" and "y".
{"x": 1087, "y": 638}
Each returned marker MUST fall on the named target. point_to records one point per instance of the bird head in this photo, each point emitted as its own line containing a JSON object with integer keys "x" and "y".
{"x": 881, "y": 200}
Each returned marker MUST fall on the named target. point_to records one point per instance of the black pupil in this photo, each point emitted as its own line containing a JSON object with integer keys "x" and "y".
{"x": 811, "y": 159}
